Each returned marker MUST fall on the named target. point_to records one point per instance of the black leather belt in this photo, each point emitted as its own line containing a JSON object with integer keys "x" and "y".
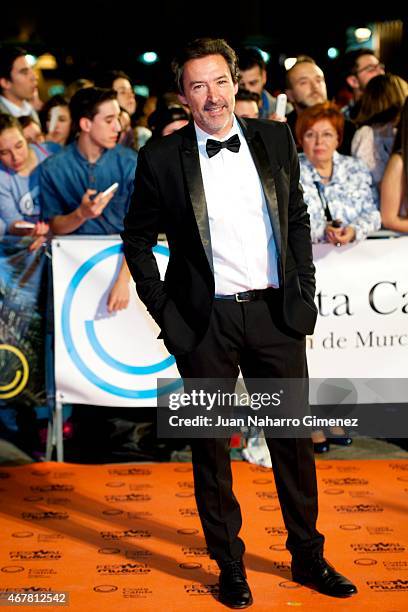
{"x": 248, "y": 296}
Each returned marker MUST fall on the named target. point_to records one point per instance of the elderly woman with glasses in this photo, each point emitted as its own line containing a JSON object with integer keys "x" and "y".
{"x": 341, "y": 201}
{"x": 338, "y": 189}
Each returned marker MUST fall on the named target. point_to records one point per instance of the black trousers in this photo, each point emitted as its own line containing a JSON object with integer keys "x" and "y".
{"x": 251, "y": 336}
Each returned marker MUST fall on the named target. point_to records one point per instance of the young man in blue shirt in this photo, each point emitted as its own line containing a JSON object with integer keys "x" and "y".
{"x": 72, "y": 183}
{"x": 72, "y": 189}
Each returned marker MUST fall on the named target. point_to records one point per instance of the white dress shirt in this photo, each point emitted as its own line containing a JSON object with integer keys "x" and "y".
{"x": 243, "y": 246}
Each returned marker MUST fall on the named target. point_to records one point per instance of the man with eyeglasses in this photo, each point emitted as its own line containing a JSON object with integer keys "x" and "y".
{"x": 359, "y": 67}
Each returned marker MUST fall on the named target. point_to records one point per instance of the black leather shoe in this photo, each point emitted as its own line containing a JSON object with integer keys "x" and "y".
{"x": 234, "y": 589}
{"x": 321, "y": 447}
{"x": 341, "y": 440}
{"x": 318, "y": 573}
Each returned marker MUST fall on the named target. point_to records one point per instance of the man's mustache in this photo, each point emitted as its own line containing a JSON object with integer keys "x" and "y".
{"x": 209, "y": 107}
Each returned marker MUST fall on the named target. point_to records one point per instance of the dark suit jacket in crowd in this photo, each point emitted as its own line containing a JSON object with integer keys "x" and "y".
{"x": 169, "y": 193}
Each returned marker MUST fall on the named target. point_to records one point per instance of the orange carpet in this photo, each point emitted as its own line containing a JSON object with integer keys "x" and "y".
{"x": 127, "y": 536}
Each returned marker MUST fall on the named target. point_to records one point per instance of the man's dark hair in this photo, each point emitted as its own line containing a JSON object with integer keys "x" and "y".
{"x": 201, "y": 47}
{"x": 86, "y": 103}
{"x": 8, "y": 56}
{"x": 350, "y": 60}
{"x": 107, "y": 79}
{"x": 301, "y": 59}
{"x": 250, "y": 57}
{"x": 26, "y": 120}
{"x": 244, "y": 95}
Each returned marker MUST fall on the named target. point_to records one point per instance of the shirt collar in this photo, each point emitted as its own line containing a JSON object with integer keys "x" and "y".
{"x": 202, "y": 136}
{"x": 83, "y": 159}
{"x": 315, "y": 175}
{"x": 17, "y": 111}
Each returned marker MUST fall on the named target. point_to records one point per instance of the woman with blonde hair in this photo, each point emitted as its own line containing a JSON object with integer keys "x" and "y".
{"x": 381, "y": 105}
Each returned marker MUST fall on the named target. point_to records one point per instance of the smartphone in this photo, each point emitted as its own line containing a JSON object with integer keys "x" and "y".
{"x": 54, "y": 114}
{"x": 110, "y": 189}
{"x": 281, "y": 101}
{"x": 24, "y": 225}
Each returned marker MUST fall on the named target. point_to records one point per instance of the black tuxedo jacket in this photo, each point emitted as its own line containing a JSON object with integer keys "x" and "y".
{"x": 169, "y": 195}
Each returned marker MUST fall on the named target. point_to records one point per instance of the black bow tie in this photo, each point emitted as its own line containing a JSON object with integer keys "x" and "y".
{"x": 214, "y": 146}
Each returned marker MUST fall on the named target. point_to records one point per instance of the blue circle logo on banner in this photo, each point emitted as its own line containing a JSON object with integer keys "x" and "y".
{"x": 152, "y": 368}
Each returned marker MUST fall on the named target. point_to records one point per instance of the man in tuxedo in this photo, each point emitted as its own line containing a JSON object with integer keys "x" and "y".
{"x": 238, "y": 292}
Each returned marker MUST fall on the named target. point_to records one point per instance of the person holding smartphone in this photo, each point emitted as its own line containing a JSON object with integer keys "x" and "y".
{"x": 338, "y": 189}
{"x": 75, "y": 193}
{"x": 86, "y": 190}
{"x": 19, "y": 183}
{"x": 340, "y": 197}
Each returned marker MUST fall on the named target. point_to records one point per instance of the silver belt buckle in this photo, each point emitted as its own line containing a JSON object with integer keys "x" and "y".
{"x": 237, "y": 298}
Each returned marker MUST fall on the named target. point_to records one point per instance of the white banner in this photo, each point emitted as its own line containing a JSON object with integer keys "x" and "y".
{"x": 362, "y": 297}
{"x": 115, "y": 359}
{"x": 102, "y": 358}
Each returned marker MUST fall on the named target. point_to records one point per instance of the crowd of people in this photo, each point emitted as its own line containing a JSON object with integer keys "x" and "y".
{"x": 59, "y": 156}
{"x": 345, "y": 152}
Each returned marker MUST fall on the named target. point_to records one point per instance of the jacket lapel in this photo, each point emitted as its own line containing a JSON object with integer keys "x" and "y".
{"x": 263, "y": 165}
{"x": 192, "y": 173}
